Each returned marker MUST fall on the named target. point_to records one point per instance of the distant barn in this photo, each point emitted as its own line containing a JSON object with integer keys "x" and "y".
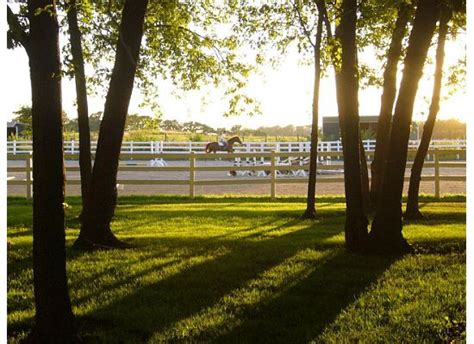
{"x": 14, "y": 128}
{"x": 331, "y": 129}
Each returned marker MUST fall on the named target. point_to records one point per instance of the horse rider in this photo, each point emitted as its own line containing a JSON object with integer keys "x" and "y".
{"x": 222, "y": 141}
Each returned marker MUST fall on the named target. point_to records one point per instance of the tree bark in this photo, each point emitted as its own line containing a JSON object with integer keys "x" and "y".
{"x": 387, "y": 100}
{"x": 386, "y": 235}
{"x": 85, "y": 160}
{"x": 310, "y": 212}
{"x": 102, "y": 195}
{"x": 412, "y": 210}
{"x": 347, "y": 101}
{"x": 54, "y": 320}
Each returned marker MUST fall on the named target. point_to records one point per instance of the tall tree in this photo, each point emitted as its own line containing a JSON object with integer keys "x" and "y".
{"x": 289, "y": 25}
{"x": 183, "y": 43}
{"x": 101, "y": 200}
{"x": 310, "y": 212}
{"x": 388, "y": 99}
{"x": 412, "y": 209}
{"x": 335, "y": 60}
{"x": 386, "y": 234}
{"x": 85, "y": 160}
{"x": 347, "y": 86}
{"x": 55, "y": 321}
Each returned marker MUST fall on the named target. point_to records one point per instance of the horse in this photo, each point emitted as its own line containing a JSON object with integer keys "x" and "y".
{"x": 213, "y": 147}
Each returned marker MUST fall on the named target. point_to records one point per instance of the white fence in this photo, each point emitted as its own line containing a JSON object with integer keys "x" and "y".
{"x": 154, "y": 147}
{"x": 264, "y": 168}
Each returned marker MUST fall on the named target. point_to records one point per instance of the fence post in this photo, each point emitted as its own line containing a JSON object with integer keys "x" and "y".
{"x": 273, "y": 176}
{"x": 72, "y": 146}
{"x": 436, "y": 173}
{"x": 131, "y": 146}
{"x": 192, "y": 174}
{"x": 29, "y": 186}
{"x": 278, "y": 149}
{"x": 247, "y": 148}
{"x": 14, "y": 147}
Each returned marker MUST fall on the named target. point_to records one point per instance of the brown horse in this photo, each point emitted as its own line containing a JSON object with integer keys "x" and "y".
{"x": 213, "y": 147}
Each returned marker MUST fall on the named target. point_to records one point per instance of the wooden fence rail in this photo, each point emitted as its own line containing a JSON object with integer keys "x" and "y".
{"x": 153, "y": 147}
{"x": 271, "y": 163}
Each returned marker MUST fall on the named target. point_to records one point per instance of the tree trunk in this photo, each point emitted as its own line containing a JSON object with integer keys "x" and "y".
{"x": 310, "y": 212}
{"x": 386, "y": 235}
{"x": 102, "y": 195}
{"x": 85, "y": 161}
{"x": 347, "y": 101}
{"x": 387, "y": 100}
{"x": 413, "y": 211}
{"x": 54, "y": 320}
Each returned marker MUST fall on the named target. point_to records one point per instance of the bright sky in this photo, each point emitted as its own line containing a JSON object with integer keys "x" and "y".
{"x": 285, "y": 95}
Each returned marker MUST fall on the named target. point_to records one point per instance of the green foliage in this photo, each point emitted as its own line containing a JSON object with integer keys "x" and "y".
{"x": 196, "y": 137}
{"x": 186, "y": 42}
{"x": 226, "y": 269}
{"x": 367, "y": 134}
{"x": 137, "y": 122}
{"x": 18, "y": 27}
{"x": 449, "y": 129}
{"x": 196, "y": 127}
{"x": 456, "y": 76}
{"x": 276, "y": 28}
{"x": 172, "y": 125}
{"x": 272, "y": 29}
{"x": 24, "y": 116}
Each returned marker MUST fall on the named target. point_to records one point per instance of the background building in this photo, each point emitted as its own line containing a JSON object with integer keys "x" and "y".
{"x": 14, "y": 128}
{"x": 331, "y": 131}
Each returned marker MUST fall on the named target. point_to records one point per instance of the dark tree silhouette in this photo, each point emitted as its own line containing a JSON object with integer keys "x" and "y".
{"x": 386, "y": 234}
{"x": 102, "y": 195}
{"x": 412, "y": 210}
{"x": 347, "y": 101}
{"x": 54, "y": 320}
{"x": 85, "y": 161}
{"x": 387, "y": 100}
{"x": 310, "y": 212}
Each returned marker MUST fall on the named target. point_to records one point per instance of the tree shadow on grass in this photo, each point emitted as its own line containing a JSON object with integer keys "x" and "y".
{"x": 440, "y": 218}
{"x": 157, "y": 305}
{"x": 155, "y": 308}
{"x": 300, "y": 313}
{"x": 296, "y": 311}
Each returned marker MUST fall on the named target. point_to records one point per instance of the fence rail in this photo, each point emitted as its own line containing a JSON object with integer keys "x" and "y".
{"x": 154, "y": 147}
{"x": 271, "y": 168}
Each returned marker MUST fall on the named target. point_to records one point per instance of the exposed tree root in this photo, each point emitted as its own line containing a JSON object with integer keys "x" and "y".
{"x": 103, "y": 242}
{"x": 388, "y": 245}
{"x": 309, "y": 214}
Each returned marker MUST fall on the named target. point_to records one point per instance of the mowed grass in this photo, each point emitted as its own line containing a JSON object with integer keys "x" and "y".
{"x": 239, "y": 270}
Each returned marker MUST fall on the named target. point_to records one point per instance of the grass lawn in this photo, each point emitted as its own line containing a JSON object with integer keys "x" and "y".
{"x": 249, "y": 270}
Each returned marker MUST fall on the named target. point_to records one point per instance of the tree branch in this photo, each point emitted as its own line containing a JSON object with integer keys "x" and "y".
{"x": 17, "y": 31}
{"x": 216, "y": 49}
{"x": 303, "y": 24}
{"x": 321, "y": 4}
